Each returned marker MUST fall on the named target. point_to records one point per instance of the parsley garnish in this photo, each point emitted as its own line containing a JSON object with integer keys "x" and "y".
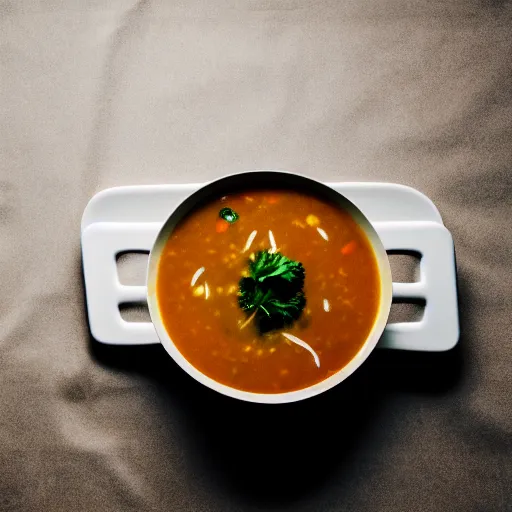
{"x": 273, "y": 294}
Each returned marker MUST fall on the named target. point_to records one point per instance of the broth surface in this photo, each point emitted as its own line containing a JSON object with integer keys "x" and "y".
{"x": 203, "y": 319}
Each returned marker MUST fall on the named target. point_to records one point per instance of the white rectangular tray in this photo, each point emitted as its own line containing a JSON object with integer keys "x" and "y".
{"x": 127, "y": 219}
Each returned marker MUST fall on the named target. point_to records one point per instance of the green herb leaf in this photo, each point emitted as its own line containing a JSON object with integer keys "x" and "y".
{"x": 273, "y": 294}
{"x": 229, "y": 215}
{"x": 268, "y": 265}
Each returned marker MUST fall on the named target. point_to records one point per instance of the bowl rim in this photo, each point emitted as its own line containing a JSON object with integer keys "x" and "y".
{"x": 242, "y": 180}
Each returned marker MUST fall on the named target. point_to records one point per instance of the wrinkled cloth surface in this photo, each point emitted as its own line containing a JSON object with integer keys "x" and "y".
{"x": 101, "y": 94}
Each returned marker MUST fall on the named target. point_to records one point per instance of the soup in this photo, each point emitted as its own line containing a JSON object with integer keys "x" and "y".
{"x": 268, "y": 291}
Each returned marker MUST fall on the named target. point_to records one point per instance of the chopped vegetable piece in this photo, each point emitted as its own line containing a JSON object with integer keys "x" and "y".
{"x": 272, "y": 199}
{"x": 196, "y": 276}
{"x": 303, "y": 344}
{"x": 250, "y": 240}
{"x": 221, "y": 226}
{"x": 349, "y": 248}
{"x": 272, "y": 240}
{"x": 323, "y": 234}
{"x": 198, "y": 291}
{"x": 312, "y": 220}
{"x": 228, "y": 215}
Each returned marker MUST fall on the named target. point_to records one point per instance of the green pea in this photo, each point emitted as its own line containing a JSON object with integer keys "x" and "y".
{"x": 229, "y": 215}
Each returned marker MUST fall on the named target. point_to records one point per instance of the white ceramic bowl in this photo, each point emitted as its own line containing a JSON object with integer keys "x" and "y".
{"x": 269, "y": 180}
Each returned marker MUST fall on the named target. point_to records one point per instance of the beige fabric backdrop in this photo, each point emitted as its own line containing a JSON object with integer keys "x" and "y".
{"x": 99, "y": 94}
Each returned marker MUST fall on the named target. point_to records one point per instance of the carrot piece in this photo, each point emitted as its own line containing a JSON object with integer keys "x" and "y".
{"x": 221, "y": 226}
{"x": 272, "y": 199}
{"x": 349, "y": 248}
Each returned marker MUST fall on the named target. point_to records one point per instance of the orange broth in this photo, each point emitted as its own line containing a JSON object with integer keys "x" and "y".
{"x": 342, "y": 289}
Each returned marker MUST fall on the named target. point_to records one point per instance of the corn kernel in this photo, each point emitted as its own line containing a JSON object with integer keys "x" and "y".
{"x": 312, "y": 220}
{"x": 198, "y": 291}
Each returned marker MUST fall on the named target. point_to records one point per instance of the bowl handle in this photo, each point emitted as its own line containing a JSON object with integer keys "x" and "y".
{"x": 438, "y": 330}
{"x": 101, "y": 243}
